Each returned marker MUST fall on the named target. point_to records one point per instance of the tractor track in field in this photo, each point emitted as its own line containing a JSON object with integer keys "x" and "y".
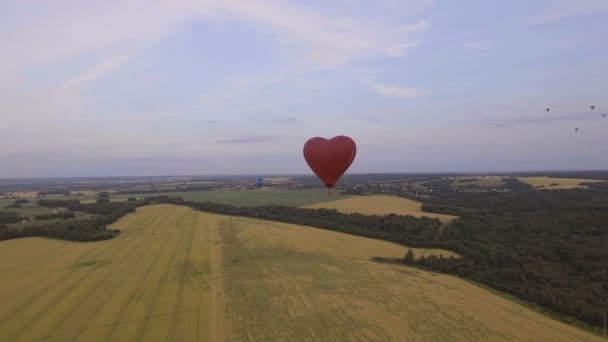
{"x": 107, "y": 291}
{"x": 183, "y": 273}
{"x": 159, "y": 285}
{"x": 58, "y": 298}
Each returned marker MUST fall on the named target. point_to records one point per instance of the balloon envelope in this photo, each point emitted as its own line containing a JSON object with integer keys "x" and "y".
{"x": 330, "y": 158}
{"x": 548, "y": 109}
{"x": 259, "y": 182}
{"x": 592, "y": 107}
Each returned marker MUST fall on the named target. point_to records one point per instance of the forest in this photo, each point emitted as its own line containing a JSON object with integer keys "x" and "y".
{"x": 548, "y": 247}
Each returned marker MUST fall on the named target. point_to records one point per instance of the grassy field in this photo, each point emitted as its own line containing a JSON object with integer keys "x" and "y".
{"x": 277, "y": 179}
{"x": 180, "y": 275}
{"x": 380, "y": 205}
{"x": 562, "y": 183}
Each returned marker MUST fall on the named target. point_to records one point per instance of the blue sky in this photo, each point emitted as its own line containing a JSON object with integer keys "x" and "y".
{"x": 237, "y": 87}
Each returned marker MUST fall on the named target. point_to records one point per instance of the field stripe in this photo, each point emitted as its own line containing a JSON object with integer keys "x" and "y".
{"x": 100, "y": 248}
{"x": 59, "y": 277}
{"x": 160, "y": 284}
{"x": 115, "y": 324}
{"x": 136, "y": 295}
{"x": 215, "y": 313}
{"x": 62, "y": 296}
{"x": 182, "y": 281}
{"x": 64, "y": 246}
{"x": 153, "y": 275}
{"x": 7, "y": 271}
{"x": 237, "y": 304}
{"x": 103, "y": 289}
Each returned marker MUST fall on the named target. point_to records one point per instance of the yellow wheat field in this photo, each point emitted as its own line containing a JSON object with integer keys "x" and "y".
{"x": 380, "y": 205}
{"x": 277, "y": 179}
{"x": 179, "y": 275}
{"x": 562, "y": 183}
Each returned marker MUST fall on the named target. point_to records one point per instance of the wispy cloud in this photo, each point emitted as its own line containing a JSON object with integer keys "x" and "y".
{"x": 249, "y": 140}
{"x": 289, "y": 120}
{"x": 478, "y": 45}
{"x": 393, "y": 91}
{"x": 563, "y": 9}
{"x": 96, "y": 72}
{"x": 313, "y": 41}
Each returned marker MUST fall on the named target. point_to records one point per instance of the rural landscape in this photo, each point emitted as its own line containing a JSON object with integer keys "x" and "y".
{"x": 164, "y": 259}
{"x": 283, "y": 170}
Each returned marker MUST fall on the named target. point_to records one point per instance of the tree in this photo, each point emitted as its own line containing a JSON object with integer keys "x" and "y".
{"x": 132, "y": 199}
{"x": 409, "y": 256}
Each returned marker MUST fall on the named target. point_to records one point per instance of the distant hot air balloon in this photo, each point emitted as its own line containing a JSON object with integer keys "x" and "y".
{"x": 592, "y": 107}
{"x": 604, "y": 115}
{"x": 259, "y": 182}
{"x": 548, "y": 109}
{"x": 576, "y": 129}
{"x": 330, "y": 158}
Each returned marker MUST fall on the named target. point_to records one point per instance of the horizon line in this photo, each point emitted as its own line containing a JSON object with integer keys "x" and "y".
{"x": 307, "y": 174}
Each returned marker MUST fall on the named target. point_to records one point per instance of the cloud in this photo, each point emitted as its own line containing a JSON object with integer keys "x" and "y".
{"x": 47, "y": 36}
{"x": 289, "y": 120}
{"x": 393, "y": 91}
{"x": 96, "y": 72}
{"x": 478, "y": 45}
{"x": 313, "y": 41}
{"x": 563, "y": 9}
{"x": 51, "y": 73}
{"x": 310, "y": 37}
{"x": 249, "y": 140}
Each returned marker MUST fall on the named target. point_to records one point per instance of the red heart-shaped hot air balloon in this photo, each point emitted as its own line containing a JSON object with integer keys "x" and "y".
{"x": 330, "y": 158}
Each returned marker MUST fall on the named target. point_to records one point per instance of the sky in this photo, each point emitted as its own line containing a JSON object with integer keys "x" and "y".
{"x": 122, "y": 88}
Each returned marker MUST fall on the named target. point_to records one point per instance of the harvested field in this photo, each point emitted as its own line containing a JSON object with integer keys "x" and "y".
{"x": 24, "y": 194}
{"x": 277, "y": 179}
{"x": 557, "y": 183}
{"x": 180, "y": 275}
{"x": 380, "y": 205}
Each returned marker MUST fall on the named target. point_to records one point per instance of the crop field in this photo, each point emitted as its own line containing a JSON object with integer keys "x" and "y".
{"x": 251, "y": 198}
{"x": 380, "y": 205}
{"x": 277, "y": 179}
{"x": 562, "y": 183}
{"x": 179, "y": 275}
{"x": 482, "y": 181}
